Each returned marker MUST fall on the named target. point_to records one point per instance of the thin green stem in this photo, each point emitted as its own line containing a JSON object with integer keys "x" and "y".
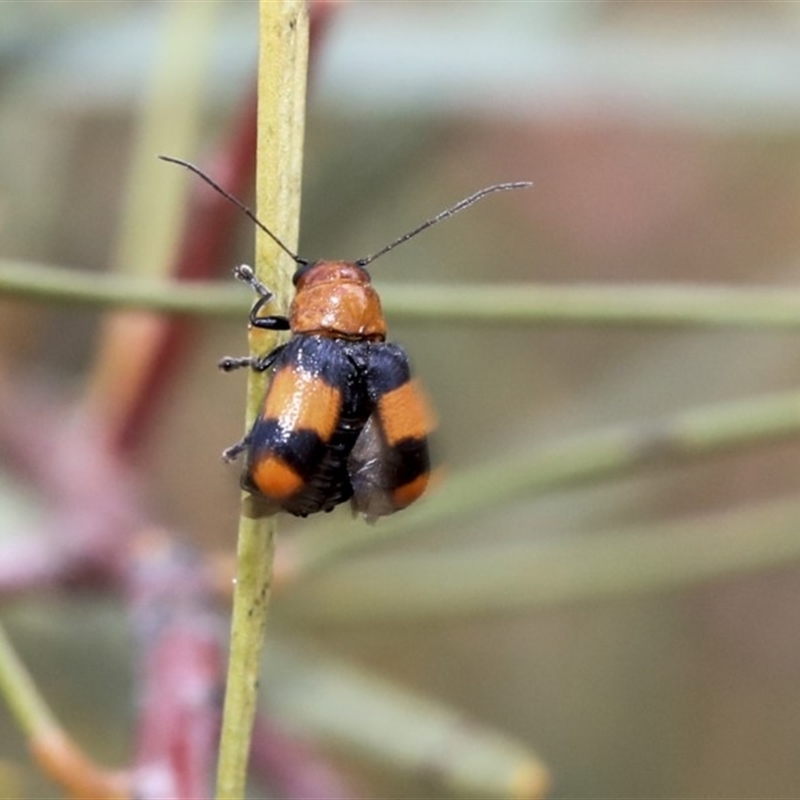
{"x": 27, "y": 706}
{"x": 511, "y": 304}
{"x": 283, "y": 43}
{"x": 589, "y": 304}
{"x": 516, "y": 577}
{"x": 592, "y": 457}
{"x": 55, "y": 753}
{"x": 409, "y": 732}
{"x": 154, "y": 204}
{"x": 49, "y": 284}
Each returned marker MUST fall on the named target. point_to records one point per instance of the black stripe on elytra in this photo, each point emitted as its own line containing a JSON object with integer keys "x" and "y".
{"x": 302, "y": 450}
{"x": 387, "y": 369}
{"x": 321, "y": 356}
{"x": 407, "y": 460}
{"x": 321, "y": 464}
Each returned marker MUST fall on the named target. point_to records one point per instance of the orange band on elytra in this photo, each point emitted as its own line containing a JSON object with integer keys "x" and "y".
{"x": 275, "y": 479}
{"x": 300, "y": 400}
{"x": 405, "y": 495}
{"x": 405, "y": 413}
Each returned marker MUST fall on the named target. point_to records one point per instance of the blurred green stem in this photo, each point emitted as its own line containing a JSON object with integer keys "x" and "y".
{"x": 509, "y": 578}
{"x": 512, "y": 304}
{"x": 154, "y": 208}
{"x": 592, "y": 457}
{"x": 54, "y": 752}
{"x": 411, "y": 733}
{"x": 26, "y": 704}
{"x": 49, "y": 284}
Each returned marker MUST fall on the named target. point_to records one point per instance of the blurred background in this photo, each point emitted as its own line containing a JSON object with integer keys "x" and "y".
{"x": 664, "y": 142}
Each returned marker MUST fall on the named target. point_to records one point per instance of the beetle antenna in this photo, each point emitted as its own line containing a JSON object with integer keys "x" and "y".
{"x": 442, "y": 215}
{"x": 239, "y": 204}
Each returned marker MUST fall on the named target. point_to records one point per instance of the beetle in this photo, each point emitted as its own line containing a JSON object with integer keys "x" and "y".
{"x": 343, "y": 418}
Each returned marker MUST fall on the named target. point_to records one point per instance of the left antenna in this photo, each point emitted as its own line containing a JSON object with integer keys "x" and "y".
{"x": 238, "y": 203}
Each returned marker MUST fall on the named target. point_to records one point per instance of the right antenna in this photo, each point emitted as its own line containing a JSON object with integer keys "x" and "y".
{"x": 448, "y": 212}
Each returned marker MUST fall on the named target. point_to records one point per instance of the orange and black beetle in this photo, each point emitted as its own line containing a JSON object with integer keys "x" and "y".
{"x": 342, "y": 418}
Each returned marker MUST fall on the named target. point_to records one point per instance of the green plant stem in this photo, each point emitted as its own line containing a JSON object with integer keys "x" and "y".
{"x": 517, "y": 577}
{"x": 590, "y": 304}
{"x": 398, "y": 728}
{"x": 26, "y": 704}
{"x": 170, "y": 120}
{"x": 513, "y": 304}
{"x": 283, "y": 47}
{"x": 55, "y": 753}
{"x": 595, "y": 456}
{"x": 49, "y": 284}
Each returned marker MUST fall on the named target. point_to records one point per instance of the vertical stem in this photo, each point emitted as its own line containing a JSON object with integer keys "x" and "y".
{"x": 283, "y": 33}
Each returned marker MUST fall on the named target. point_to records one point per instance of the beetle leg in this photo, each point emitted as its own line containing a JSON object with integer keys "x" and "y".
{"x": 230, "y": 363}
{"x": 273, "y": 322}
{"x": 257, "y": 363}
{"x": 245, "y": 274}
{"x": 235, "y": 450}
